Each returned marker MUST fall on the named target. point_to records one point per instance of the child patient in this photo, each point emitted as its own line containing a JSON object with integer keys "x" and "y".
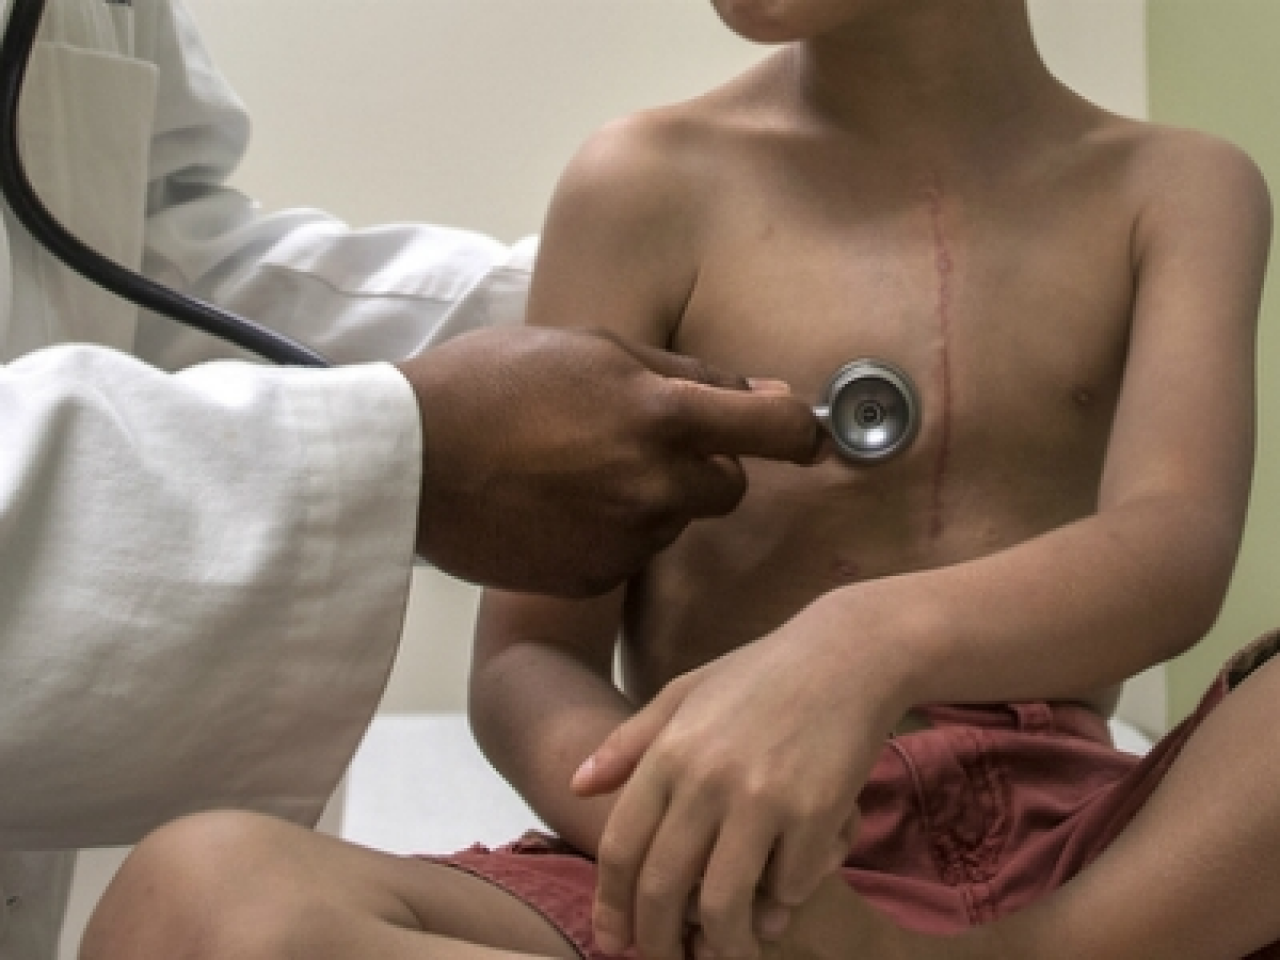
{"x": 864, "y": 715}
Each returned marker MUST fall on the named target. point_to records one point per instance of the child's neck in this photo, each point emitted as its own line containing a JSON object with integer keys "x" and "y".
{"x": 943, "y": 79}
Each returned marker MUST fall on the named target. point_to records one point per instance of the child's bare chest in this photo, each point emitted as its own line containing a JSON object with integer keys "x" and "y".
{"x": 1013, "y": 325}
{"x": 1006, "y": 308}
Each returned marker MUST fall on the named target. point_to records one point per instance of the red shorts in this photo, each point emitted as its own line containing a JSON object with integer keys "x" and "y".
{"x": 986, "y": 810}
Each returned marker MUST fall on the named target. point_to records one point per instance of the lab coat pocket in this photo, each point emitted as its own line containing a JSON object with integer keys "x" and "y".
{"x": 86, "y": 131}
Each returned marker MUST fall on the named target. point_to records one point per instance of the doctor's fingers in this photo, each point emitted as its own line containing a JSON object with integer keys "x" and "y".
{"x": 714, "y": 412}
{"x": 772, "y": 425}
{"x": 665, "y": 491}
{"x": 705, "y": 486}
{"x": 679, "y": 366}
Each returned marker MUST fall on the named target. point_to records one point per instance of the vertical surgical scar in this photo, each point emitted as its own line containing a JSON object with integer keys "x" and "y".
{"x": 945, "y": 267}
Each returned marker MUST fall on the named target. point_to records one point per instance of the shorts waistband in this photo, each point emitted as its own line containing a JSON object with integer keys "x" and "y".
{"x": 1073, "y": 719}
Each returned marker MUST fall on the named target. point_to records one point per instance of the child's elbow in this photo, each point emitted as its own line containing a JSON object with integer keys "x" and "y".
{"x": 1197, "y": 597}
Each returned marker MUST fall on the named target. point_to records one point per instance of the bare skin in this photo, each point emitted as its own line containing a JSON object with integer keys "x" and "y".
{"x": 1076, "y": 295}
{"x": 615, "y": 449}
{"x": 913, "y": 186}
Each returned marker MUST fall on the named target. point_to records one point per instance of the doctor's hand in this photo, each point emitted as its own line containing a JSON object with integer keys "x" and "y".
{"x": 558, "y": 462}
{"x": 739, "y": 787}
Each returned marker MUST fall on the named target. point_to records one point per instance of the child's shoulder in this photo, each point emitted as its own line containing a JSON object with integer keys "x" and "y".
{"x": 670, "y": 138}
{"x": 646, "y": 141}
{"x": 684, "y": 142}
{"x": 1161, "y": 157}
{"x": 1165, "y": 174}
{"x": 1179, "y": 182}
{"x": 658, "y": 162}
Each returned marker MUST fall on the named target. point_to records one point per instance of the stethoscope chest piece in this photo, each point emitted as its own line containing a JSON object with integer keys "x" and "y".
{"x": 871, "y": 411}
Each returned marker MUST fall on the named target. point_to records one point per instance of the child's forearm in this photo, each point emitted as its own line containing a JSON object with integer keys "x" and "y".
{"x": 538, "y": 714}
{"x": 1060, "y": 617}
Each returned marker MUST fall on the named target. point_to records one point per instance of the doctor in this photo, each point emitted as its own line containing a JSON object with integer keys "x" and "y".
{"x": 202, "y": 574}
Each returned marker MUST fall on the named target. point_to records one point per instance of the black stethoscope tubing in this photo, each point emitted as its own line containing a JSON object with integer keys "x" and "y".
{"x": 15, "y": 55}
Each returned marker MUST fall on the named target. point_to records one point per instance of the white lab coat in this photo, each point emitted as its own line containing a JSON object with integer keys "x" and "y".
{"x": 202, "y": 575}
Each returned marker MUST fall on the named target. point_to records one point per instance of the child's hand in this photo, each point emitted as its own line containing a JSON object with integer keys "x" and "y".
{"x": 743, "y": 779}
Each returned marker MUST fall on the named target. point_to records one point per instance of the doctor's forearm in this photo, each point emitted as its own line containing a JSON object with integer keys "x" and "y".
{"x": 284, "y": 590}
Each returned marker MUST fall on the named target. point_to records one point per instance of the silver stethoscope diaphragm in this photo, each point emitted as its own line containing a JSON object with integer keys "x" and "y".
{"x": 871, "y": 410}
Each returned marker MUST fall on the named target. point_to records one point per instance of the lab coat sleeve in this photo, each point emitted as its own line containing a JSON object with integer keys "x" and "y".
{"x": 380, "y": 293}
{"x": 202, "y": 583}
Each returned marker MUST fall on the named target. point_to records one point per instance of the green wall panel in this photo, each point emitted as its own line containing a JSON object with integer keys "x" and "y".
{"x": 1215, "y": 66}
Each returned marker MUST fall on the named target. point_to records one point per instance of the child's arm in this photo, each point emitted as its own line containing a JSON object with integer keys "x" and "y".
{"x": 616, "y": 255}
{"x": 1142, "y": 580}
{"x": 542, "y": 698}
{"x": 1061, "y": 616}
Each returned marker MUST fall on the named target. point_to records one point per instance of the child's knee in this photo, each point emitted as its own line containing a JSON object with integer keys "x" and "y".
{"x": 190, "y": 884}
{"x": 211, "y": 854}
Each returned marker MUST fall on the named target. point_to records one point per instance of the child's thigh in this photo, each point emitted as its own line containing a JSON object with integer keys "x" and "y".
{"x": 417, "y": 894}
{"x": 246, "y": 872}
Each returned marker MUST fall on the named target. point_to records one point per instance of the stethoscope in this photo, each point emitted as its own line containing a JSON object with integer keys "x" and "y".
{"x": 871, "y": 410}
{"x": 15, "y": 54}
{"x": 870, "y": 407}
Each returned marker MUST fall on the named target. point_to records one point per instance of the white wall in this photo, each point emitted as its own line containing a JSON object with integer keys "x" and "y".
{"x": 1099, "y": 47}
{"x": 463, "y": 112}
{"x": 458, "y": 111}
